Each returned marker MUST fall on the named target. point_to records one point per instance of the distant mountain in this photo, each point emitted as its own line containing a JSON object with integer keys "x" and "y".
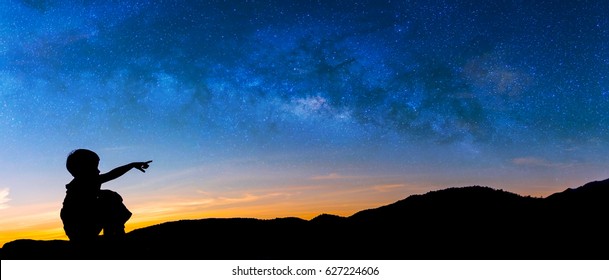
{"x": 455, "y": 223}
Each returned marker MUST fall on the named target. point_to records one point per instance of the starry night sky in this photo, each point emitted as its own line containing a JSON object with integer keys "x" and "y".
{"x": 297, "y": 108}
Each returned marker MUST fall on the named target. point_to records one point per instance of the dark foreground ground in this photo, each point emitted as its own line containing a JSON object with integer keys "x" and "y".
{"x": 456, "y": 223}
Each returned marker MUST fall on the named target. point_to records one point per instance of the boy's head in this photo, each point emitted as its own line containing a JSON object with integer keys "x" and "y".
{"x": 82, "y": 163}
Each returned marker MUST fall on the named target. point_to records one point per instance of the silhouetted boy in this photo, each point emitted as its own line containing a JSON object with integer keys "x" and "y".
{"x": 87, "y": 209}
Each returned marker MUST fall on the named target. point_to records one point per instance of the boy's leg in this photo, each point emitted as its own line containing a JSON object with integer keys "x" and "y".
{"x": 114, "y": 213}
{"x": 80, "y": 227}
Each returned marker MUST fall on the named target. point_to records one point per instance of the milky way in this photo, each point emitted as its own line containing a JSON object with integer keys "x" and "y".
{"x": 512, "y": 92}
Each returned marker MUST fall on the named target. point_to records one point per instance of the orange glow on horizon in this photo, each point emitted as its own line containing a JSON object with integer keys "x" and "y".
{"x": 42, "y": 222}
{"x": 54, "y": 230}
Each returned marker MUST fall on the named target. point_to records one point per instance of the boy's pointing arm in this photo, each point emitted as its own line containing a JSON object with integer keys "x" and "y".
{"x": 121, "y": 170}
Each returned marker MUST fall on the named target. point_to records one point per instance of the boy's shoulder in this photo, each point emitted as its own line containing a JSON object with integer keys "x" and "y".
{"x": 83, "y": 184}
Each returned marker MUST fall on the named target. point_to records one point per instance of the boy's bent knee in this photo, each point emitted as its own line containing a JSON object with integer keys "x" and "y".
{"x": 108, "y": 195}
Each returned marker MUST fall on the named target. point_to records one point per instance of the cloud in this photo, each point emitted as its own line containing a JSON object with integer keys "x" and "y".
{"x": 538, "y": 162}
{"x": 248, "y": 197}
{"x": 196, "y": 206}
{"x": 387, "y": 187}
{"x": 331, "y": 176}
{"x": 4, "y": 198}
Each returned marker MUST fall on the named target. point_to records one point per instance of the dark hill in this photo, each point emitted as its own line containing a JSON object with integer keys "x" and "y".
{"x": 455, "y": 223}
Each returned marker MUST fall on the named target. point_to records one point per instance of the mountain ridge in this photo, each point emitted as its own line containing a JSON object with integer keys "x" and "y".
{"x": 474, "y": 222}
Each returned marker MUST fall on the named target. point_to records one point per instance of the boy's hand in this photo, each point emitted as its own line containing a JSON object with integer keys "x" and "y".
{"x": 141, "y": 166}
